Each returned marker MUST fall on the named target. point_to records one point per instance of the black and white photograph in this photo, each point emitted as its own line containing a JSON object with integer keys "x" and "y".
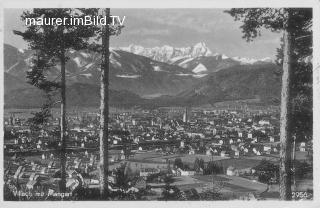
{"x": 158, "y": 104}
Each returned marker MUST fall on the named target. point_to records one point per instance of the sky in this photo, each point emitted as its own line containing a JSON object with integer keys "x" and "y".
{"x": 174, "y": 27}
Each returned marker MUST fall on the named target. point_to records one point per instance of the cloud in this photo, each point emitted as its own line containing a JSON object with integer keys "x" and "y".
{"x": 176, "y": 27}
{"x": 146, "y": 32}
{"x": 153, "y": 42}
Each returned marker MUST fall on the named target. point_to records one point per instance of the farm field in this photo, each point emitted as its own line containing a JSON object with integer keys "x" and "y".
{"x": 161, "y": 158}
{"x": 229, "y": 184}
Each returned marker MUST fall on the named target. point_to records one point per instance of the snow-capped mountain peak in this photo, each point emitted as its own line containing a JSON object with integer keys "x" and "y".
{"x": 199, "y": 69}
{"x": 243, "y": 60}
{"x": 200, "y": 49}
{"x": 224, "y": 56}
{"x": 172, "y": 55}
{"x": 266, "y": 59}
{"x": 168, "y": 53}
{"x": 136, "y": 49}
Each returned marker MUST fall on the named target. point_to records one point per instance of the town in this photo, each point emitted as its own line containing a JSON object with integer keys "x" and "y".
{"x": 167, "y": 153}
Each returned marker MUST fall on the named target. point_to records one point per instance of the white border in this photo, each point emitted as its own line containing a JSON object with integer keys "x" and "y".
{"x": 158, "y": 4}
{"x": 179, "y": 4}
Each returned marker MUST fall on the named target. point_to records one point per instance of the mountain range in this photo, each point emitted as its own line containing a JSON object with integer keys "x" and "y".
{"x": 171, "y": 54}
{"x": 142, "y": 76}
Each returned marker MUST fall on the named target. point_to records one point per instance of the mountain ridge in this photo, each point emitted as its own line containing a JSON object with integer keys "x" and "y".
{"x": 170, "y": 54}
{"x": 142, "y": 80}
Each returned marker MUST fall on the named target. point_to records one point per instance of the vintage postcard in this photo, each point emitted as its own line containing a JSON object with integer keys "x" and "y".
{"x": 168, "y": 102}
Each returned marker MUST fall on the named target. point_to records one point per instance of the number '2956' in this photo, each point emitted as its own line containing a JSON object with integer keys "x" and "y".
{"x": 301, "y": 195}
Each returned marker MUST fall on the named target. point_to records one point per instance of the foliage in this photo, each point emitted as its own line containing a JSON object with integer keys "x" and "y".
{"x": 40, "y": 118}
{"x": 8, "y": 195}
{"x": 302, "y": 73}
{"x": 50, "y": 44}
{"x": 170, "y": 192}
{"x": 178, "y": 163}
{"x": 213, "y": 168}
{"x": 300, "y": 27}
{"x": 211, "y": 195}
{"x": 155, "y": 177}
{"x": 266, "y": 171}
{"x": 302, "y": 168}
{"x": 256, "y": 19}
{"x": 122, "y": 177}
{"x": 198, "y": 164}
{"x": 8, "y": 135}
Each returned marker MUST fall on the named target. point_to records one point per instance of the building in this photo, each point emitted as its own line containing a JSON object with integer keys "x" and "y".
{"x": 185, "y": 118}
{"x": 302, "y": 147}
{"x": 140, "y": 183}
{"x": 144, "y": 172}
{"x": 32, "y": 184}
{"x": 271, "y": 139}
{"x": 264, "y": 122}
{"x": 181, "y": 172}
{"x": 231, "y": 171}
{"x": 182, "y": 144}
{"x": 224, "y": 154}
{"x": 236, "y": 154}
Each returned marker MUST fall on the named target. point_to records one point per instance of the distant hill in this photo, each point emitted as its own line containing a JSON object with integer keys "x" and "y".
{"x": 128, "y": 71}
{"x": 197, "y": 77}
{"x": 78, "y": 94}
{"x": 12, "y": 83}
{"x": 24, "y": 98}
{"x": 241, "y": 82}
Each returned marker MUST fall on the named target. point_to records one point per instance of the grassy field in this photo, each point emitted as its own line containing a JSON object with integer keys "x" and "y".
{"x": 239, "y": 163}
{"x": 301, "y": 155}
{"x": 229, "y": 184}
{"x": 160, "y": 158}
{"x": 155, "y": 159}
{"x": 208, "y": 178}
{"x": 271, "y": 158}
{"x": 275, "y": 157}
{"x": 236, "y": 188}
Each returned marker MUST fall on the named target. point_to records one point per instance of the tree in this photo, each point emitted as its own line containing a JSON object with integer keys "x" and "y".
{"x": 301, "y": 87}
{"x": 266, "y": 171}
{"x": 214, "y": 192}
{"x": 178, "y": 163}
{"x": 293, "y": 22}
{"x": 104, "y": 108}
{"x": 122, "y": 177}
{"x": 285, "y": 112}
{"x": 40, "y": 63}
{"x": 213, "y": 168}
{"x": 105, "y": 33}
{"x": 196, "y": 165}
{"x": 302, "y": 168}
{"x": 51, "y": 44}
{"x": 211, "y": 195}
{"x": 201, "y": 163}
{"x": 170, "y": 192}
